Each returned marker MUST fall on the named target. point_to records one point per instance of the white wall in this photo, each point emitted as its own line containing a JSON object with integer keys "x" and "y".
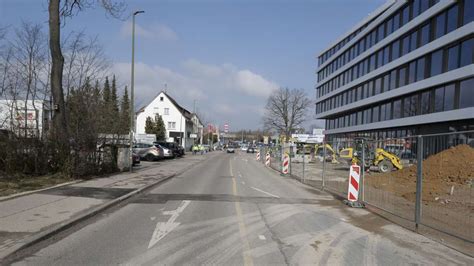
{"x": 158, "y": 107}
{"x": 35, "y": 110}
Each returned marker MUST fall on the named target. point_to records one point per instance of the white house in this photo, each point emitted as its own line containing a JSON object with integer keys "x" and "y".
{"x": 25, "y": 118}
{"x": 182, "y": 126}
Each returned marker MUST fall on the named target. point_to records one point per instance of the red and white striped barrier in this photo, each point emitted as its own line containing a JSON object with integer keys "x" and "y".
{"x": 354, "y": 177}
{"x": 285, "y": 164}
{"x": 258, "y": 156}
{"x": 267, "y": 159}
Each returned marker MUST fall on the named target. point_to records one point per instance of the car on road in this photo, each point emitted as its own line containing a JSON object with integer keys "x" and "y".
{"x": 230, "y": 149}
{"x": 251, "y": 150}
{"x": 148, "y": 152}
{"x": 244, "y": 148}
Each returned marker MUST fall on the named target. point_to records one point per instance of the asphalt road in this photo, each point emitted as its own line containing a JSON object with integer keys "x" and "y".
{"x": 231, "y": 210}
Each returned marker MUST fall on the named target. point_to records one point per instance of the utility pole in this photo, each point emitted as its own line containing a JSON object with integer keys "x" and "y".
{"x": 132, "y": 91}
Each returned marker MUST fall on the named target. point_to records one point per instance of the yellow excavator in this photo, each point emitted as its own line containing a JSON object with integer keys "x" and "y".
{"x": 382, "y": 159}
{"x": 330, "y": 153}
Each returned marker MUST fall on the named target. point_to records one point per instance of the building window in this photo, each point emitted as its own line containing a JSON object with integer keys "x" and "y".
{"x": 413, "y": 40}
{"x": 452, "y": 18}
{"x": 388, "y": 111}
{"x": 440, "y": 25}
{"x": 439, "y": 99}
{"x": 395, "y": 49}
{"x": 171, "y": 125}
{"x": 161, "y": 99}
{"x": 386, "y": 83}
{"x": 393, "y": 79}
{"x": 167, "y": 111}
{"x": 426, "y": 102}
{"x": 466, "y": 52}
{"x": 453, "y": 57}
{"x": 378, "y": 86}
{"x": 397, "y": 109}
{"x": 375, "y": 114}
{"x": 382, "y": 112}
{"x": 405, "y": 45}
{"x": 466, "y": 93}
{"x": 411, "y": 72}
{"x": 402, "y": 76}
{"x": 420, "y": 69}
{"x": 468, "y": 11}
{"x": 425, "y": 35}
{"x": 436, "y": 63}
{"x": 449, "y": 97}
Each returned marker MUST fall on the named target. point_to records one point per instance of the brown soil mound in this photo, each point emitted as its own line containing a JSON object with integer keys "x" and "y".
{"x": 453, "y": 167}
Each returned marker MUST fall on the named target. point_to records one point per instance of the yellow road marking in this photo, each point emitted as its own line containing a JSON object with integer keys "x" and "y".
{"x": 242, "y": 229}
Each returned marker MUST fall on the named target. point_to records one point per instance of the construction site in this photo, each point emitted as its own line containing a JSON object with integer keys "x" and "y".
{"x": 389, "y": 179}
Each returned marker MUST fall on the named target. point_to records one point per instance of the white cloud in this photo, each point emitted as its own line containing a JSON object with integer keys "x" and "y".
{"x": 223, "y": 93}
{"x": 254, "y": 84}
{"x": 155, "y": 31}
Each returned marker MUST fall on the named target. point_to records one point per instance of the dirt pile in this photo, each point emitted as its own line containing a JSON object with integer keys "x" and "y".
{"x": 445, "y": 174}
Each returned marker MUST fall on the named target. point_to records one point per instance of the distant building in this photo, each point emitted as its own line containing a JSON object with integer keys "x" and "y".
{"x": 182, "y": 126}
{"x": 29, "y": 119}
{"x": 406, "y": 69}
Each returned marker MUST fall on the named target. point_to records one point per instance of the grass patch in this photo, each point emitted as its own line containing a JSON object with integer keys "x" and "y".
{"x": 17, "y": 184}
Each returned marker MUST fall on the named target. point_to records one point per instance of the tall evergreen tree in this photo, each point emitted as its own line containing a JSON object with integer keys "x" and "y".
{"x": 106, "y": 93}
{"x": 160, "y": 129}
{"x": 125, "y": 113}
{"x": 114, "y": 100}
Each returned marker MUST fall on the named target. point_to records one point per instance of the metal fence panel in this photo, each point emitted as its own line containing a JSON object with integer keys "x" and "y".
{"x": 447, "y": 194}
{"x": 393, "y": 191}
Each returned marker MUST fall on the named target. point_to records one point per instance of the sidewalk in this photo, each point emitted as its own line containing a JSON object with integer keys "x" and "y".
{"x": 31, "y": 217}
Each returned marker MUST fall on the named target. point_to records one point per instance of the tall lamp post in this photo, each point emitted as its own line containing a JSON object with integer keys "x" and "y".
{"x": 132, "y": 90}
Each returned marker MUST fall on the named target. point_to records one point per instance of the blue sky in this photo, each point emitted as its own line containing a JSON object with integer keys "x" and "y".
{"x": 226, "y": 55}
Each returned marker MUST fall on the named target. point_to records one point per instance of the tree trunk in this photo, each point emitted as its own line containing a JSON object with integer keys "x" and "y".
{"x": 59, "y": 118}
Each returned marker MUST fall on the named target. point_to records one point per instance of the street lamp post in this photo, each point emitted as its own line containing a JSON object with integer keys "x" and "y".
{"x": 132, "y": 90}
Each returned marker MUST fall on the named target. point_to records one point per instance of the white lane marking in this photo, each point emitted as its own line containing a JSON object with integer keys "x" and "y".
{"x": 152, "y": 218}
{"x": 262, "y": 237}
{"x": 162, "y": 229}
{"x": 268, "y": 193}
{"x": 243, "y": 183}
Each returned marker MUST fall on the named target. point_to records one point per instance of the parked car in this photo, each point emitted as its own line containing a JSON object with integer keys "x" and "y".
{"x": 135, "y": 159}
{"x": 251, "y": 150}
{"x": 167, "y": 153}
{"x": 174, "y": 147}
{"x": 244, "y": 148}
{"x": 230, "y": 149}
{"x": 147, "y": 151}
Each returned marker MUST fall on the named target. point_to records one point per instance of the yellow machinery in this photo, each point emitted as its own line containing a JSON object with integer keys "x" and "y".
{"x": 330, "y": 153}
{"x": 385, "y": 161}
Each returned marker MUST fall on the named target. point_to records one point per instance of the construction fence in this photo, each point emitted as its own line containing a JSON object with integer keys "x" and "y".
{"x": 423, "y": 181}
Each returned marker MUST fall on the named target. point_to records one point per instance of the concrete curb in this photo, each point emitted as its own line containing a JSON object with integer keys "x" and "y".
{"x": 48, "y": 233}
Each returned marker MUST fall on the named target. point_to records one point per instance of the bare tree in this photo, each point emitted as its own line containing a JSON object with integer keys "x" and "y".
{"x": 61, "y": 9}
{"x": 286, "y": 110}
{"x": 84, "y": 59}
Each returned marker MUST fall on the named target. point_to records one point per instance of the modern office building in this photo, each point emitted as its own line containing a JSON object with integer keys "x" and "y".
{"x": 406, "y": 69}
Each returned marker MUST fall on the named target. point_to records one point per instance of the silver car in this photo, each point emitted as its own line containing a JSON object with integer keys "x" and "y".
{"x": 148, "y": 152}
{"x": 167, "y": 153}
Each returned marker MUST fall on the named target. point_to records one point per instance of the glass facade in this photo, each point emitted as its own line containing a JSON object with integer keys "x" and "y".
{"x": 410, "y": 88}
{"x": 438, "y": 26}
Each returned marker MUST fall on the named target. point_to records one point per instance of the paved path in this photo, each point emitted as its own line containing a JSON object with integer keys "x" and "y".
{"x": 231, "y": 210}
{"x": 24, "y": 217}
